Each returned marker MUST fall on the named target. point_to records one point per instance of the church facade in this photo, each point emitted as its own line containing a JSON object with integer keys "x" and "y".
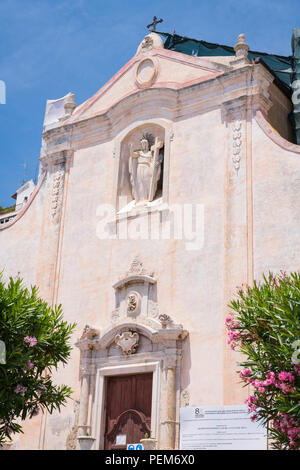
{"x": 171, "y": 186}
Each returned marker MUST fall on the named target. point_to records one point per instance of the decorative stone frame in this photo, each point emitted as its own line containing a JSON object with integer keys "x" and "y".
{"x": 136, "y": 281}
{"x": 151, "y": 79}
{"x": 154, "y": 345}
{"x": 164, "y": 361}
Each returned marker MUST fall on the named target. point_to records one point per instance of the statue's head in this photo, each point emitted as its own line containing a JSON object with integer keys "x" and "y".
{"x": 146, "y": 141}
{"x": 144, "y": 144}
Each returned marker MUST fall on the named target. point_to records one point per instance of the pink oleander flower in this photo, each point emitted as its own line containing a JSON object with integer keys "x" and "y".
{"x": 259, "y": 383}
{"x": 288, "y": 426}
{"x": 286, "y": 388}
{"x": 253, "y": 417}
{"x": 251, "y": 402}
{"x": 271, "y": 376}
{"x": 286, "y": 376}
{"x": 32, "y": 341}
{"x": 245, "y": 373}
{"x": 267, "y": 382}
{"x": 30, "y": 364}
{"x": 253, "y": 398}
{"x": 20, "y": 390}
{"x": 297, "y": 369}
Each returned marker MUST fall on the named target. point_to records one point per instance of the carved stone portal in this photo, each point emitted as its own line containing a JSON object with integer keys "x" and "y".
{"x": 128, "y": 341}
{"x": 163, "y": 359}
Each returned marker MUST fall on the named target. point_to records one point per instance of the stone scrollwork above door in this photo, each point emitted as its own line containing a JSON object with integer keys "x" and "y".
{"x": 127, "y": 341}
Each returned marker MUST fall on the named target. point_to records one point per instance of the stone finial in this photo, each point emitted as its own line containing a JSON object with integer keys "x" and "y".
{"x": 70, "y": 104}
{"x": 241, "y": 48}
{"x": 136, "y": 267}
{"x": 241, "y": 52}
{"x": 58, "y": 110}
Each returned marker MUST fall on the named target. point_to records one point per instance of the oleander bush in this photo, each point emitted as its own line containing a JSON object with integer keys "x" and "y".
{"x": 264, "y": 324}
{"x": 36, "y": 340}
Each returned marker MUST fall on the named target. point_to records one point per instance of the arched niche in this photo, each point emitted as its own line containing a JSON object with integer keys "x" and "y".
{"x": 123, "y": 194}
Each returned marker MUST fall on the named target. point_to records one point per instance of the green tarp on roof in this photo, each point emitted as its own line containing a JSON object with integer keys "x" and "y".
{"x": 202, "y": 48}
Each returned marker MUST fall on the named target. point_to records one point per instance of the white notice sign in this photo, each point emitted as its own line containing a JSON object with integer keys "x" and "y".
{"x": 121, "y": 440}
{"x": 220, "y": 428}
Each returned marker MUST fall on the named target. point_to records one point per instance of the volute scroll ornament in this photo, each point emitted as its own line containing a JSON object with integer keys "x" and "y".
{"x": 89, "y": 333}
{"x": 133, "y": 302}
{"x": 128, "y": 342}
{"x": 164, "y": 320}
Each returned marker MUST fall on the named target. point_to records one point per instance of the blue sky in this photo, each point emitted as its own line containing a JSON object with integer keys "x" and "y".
{"x": 51, "y": 47}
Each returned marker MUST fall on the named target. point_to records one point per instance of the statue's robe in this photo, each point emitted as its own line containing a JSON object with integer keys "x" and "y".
{"x": 141, "y": 171}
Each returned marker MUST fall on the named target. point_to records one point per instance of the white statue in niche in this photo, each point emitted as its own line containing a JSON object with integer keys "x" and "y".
{"x": 145, "y": 168}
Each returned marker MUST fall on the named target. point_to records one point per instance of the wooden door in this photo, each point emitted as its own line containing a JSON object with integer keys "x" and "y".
{"x": 128, "y": 410}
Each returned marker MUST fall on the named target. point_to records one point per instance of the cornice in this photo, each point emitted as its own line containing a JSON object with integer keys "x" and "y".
{"x": 196, "y": 62}
{"x": 156, "y": 335}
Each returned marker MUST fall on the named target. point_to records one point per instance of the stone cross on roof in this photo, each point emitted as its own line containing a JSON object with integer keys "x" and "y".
{"x": 154, "y": 23}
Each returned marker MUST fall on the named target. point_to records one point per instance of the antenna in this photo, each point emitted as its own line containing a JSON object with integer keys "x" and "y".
{"x": 25, "y": 172}
{"x": 36, "y": 173}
